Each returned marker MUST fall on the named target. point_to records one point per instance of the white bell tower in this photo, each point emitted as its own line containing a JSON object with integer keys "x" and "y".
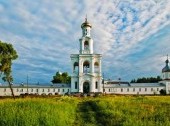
{"x": 86, "y": 66}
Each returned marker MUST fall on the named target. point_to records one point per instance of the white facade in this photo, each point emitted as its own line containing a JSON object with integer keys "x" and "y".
{"x": 86, "y": 66}
{"x": 35, "y": 89}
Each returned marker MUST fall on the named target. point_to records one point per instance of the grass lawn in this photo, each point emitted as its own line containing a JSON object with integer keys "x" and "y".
{"x": 100, "y": 111}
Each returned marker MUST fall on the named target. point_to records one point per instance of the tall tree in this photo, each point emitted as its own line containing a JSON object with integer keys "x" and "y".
{"x": 7, "y": 55}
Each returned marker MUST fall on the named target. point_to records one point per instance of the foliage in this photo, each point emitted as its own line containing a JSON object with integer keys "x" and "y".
{"x": 163, "y": 92}
{"x": 7, "y": 55}
{"x": 103, "y": 111}
{"x": 147, "y": 80}
{"x": 61, "y": 78}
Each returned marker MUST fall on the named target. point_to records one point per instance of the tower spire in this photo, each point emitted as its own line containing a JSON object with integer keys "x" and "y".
{"x": 86, "y": 18}
{"x": 167, "y": 61}
{"x": 167, "y": 56}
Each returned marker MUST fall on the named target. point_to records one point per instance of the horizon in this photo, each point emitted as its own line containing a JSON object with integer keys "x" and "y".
{"x": 132, "y": 36}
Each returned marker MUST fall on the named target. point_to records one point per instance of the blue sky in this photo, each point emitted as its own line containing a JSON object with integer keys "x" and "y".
{"x": 132, "y": 35}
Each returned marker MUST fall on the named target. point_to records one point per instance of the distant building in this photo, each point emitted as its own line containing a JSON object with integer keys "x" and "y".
{"x": 87, "y": 78}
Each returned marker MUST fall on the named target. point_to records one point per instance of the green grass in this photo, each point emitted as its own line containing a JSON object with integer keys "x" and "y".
{"x": 101, "y": 111}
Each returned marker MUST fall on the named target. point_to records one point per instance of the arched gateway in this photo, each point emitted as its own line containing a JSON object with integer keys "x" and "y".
{"x": 86, "y": 87}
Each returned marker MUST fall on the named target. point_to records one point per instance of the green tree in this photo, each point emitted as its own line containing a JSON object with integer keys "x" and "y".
{"x": 7, "y": 55}
{"x": 61, "y": 78}
{"x": 147, "y": 80}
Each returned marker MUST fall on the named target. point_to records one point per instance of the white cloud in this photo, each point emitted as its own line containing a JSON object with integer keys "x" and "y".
{"x": 45, "y": 32}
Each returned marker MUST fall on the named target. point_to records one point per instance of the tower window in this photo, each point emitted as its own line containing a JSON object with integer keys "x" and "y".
{"x": 86, "y": 45}
{"x": 75, "y": 85}
{"x": 96, "y": 85}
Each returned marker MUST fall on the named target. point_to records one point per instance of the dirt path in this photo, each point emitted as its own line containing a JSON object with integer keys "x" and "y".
{"x": 87, "y": 114}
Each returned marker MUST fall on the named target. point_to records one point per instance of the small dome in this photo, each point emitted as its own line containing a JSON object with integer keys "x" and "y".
{"x": 166, "y": 68}
{"x": 86, "y": 23}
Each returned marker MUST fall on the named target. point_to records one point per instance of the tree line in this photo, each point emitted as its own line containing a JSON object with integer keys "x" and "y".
{"x": 147, "y": 80}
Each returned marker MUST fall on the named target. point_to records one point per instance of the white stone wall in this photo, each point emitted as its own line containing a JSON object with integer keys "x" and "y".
{"x": 5, "y": 91}
{"x": 134, "y": 90}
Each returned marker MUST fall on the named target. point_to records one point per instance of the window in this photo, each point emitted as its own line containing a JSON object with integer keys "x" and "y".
{"x": 4, "y": 89}
{"x": 42, "y": 90}
{"x": 151, "y": 89}
{"x": 48, "y": 90}
{"x": 58, "y": 90}
{"x": 76, "y": 85}
{"x": 32, "y": 90}
{"x": 121, "y": 89}
{"x": 54, "y": 90}
{"x": 96, "y": 84}
{"x": 17, "y": 90}
{"x": 86, "y": 45}
{"x": 127, "y": 89}
{"x": 37, "y": 90}
{"x": 68, "y": 90}
{"x": 145, "y": 89}
{"x": 21, "y": 90}
{"x": 139, "y": 89}
{"x": 63, "y": 90}
{"x": 109, "y": 89}
{"x": 133, "y": 89}
{"x": 157, "y": 89}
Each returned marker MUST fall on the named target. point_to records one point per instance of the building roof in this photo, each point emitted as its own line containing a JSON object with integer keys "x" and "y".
{"x": 133, "y": 85}
{"x": 61, "y": 85}
{"x": 86, "y": 23}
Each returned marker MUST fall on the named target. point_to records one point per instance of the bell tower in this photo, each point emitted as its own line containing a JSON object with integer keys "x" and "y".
{"x": 86, "y": 66}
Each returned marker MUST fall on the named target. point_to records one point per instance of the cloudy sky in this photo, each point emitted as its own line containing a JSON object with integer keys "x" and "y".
{"x": 132, "y": 35}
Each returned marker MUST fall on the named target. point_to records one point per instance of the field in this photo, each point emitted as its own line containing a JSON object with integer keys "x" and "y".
{"x": 100, "y": 111}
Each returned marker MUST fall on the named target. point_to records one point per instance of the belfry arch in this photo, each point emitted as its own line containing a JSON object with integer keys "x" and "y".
{"x": 86, "y": 67}
{"x": 86, "y": 45}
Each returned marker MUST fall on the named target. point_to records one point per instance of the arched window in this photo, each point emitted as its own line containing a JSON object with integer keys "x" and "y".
{"x": 86, "y": 67}
{"x": 96, "y": 67}
{"x": 86, "y": 45}
{"x": 76, "y": 67}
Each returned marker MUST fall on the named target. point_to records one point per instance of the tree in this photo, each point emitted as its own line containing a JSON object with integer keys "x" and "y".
{"x": 147, "y": 80}
{"x": 7, "y": 55}
{"x": 61, "y": 78}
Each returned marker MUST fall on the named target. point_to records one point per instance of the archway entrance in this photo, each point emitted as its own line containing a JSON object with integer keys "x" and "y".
{"x": 86, "y": 87}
